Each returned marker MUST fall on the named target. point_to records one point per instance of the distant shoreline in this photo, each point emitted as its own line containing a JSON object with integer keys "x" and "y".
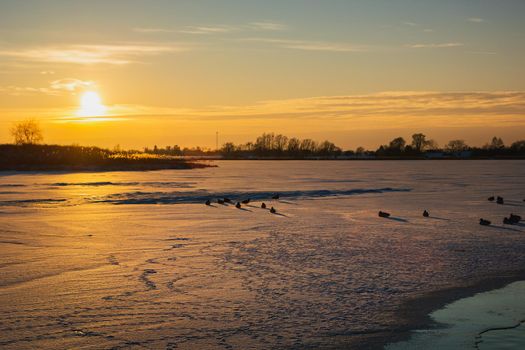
{"x": 178, "y": 165}
{"x": 367, "y": 159}
{"x": 415, "y": 313}
{"x": 78, "y": 158}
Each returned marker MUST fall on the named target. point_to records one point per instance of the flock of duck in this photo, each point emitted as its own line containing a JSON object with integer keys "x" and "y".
{"x": 238, "y": 205}
{"x": 511, "y": 220}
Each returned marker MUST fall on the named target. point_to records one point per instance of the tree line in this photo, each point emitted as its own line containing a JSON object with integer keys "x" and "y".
{"x": 281, "y": 146}
{"x": 271, "y": 145}
{"x": 420, "y": 145}
{"x": 28, "y": 154}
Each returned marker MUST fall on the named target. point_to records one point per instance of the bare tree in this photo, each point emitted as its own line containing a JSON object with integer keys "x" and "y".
{"x": 294, "y": 144}
{"x": 248, "y": 146}
{"x": 419, "y": 142}
{"x": 397, "y": 144}
{"x": 228, "y": 148}
{"x": 518, "y": 146}
{"x": 280, "y": 143}
{"x": 265, "y": 142}
{"x": 456, "y": 146}
{"x": 27, "y": 132}
{"x": 327, "y": 147}
{"x": 432, "y": 145}
{"x": 308, "y": 146}
{"x": 496, "y": 143}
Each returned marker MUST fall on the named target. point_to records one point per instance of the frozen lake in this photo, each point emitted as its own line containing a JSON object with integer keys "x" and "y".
{"x": 136, "y": 260}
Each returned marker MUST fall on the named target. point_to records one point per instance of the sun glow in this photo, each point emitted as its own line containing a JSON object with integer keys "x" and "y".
{"x": 91, "y": 105}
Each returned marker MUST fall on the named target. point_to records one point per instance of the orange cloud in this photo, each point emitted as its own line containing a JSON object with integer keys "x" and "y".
{"x": 117, "y": 54}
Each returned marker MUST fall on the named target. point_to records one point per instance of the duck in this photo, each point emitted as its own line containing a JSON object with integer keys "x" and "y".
{"x": 208, "y": 202}
{"x": 515, "y": 218}
{"x": 263, "y": 205}
{"x": 272, "y": 210}
{"x": 491, "y": 199}
{"x": 238, "y": 205}
{"x": 426, "y": 214}
{"x": 383, "y": 214}
{"x": 512, "y": 219}
{"x": 484, "y": 222}
{"x": 246, "y": 201}
{"x": 499, "y": 200}
{"x": 275, "y": 196}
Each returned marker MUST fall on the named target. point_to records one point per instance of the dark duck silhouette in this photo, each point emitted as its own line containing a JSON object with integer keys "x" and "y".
{"x": 484, "y": 222}
{"x": 272, "y": 210}
{"x": 275, "y": 196}
{"x": 426, "y": 214}
{"x": 512, "y": 219}
{"x": 238, "y": 205}
{"x": 208, "y": 202}
{"x": 263, "y": 205}
{"x": 246, "y": 201}
{"x": 491, "y": 199}
{"x": 499, "y": 200}
{"x": 383, "y": 214}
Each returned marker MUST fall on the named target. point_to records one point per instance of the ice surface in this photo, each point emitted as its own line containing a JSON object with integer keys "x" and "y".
{"x": 486, "y": 321}
{"x": 78, "y": 271}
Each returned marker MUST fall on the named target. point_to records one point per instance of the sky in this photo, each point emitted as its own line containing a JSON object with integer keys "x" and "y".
{"x": 358, "y": 73}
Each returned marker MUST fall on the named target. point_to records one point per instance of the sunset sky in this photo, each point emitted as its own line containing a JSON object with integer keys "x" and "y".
{"x": 138, "y": 73}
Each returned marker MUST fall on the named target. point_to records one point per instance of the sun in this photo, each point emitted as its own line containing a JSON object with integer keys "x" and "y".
{"x": 91, "y": 105}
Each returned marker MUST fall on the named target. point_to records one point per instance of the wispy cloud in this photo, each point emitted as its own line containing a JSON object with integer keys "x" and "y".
{"x": 70, "y": 84}
{"x": 118, "y": 54}
{"x": 217, "y": 29}
{"x": 323, "y": 46}
{"x": 54, "y": 88}
{"x": 434, "y": 45}
{"x": 209, "y": 29}
{"x": 387, "y": 110}
{"x": 475, "y": 20}
{"x": 417, "y": 26}
{"x": 268, "y": 25}
{"x": 393, "y": 112}
{"x": 309, "y": 45}
{"x": 12, "y": 90}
